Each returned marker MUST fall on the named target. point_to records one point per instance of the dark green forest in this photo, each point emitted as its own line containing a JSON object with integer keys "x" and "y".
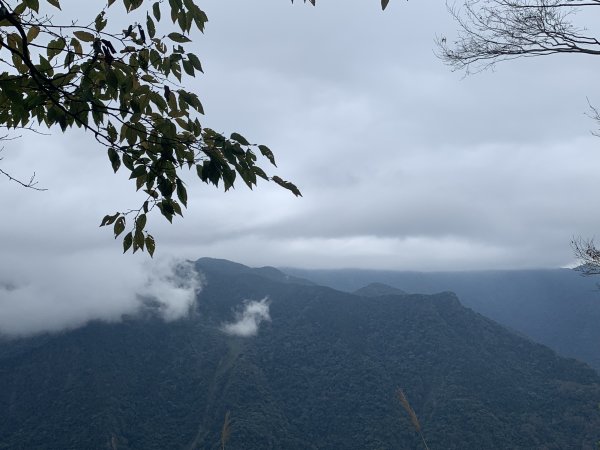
{"x": 322, "y": 374}
{"x": 559, "y": 308}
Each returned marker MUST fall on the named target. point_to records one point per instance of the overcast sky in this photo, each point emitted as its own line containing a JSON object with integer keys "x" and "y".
{"x": 402, "y": 163}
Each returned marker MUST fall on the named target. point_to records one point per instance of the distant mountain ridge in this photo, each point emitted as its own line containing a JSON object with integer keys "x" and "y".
{"x": 320, "y": 374}
{"x": 224, "y": 266}
{"x": 556, "y": 307}
{"x": 377, "y": 289}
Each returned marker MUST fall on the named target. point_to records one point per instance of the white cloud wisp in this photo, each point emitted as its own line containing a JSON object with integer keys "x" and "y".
{"x": 249, "y": 319}
{"x": 66, "y": 292}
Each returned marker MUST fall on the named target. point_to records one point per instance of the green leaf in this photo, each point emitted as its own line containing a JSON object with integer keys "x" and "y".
{"x": 138, "y": 241}
{"x": 111, "y": 79}
{"x": 176, "y": 208}
{"x": 140, "y": 222}
{"x": 139, "y": 182}
{"x": 181, "y": 193}
{"x": 195, "y": 62}
{"x": 69, "y": 58}
{"x": 112, "y": 132}
{"x": 127, "y": 241}
{"x": 287, "y": 185}
{"x": 182, "y": 20}
{"x": 131, "y": 135}
{"x": 55, "y": 3}
{"x": 239, "y": 138}
{"x": 267, "y": 153}
{"x": 178, "y": 37}
{"x": 165, "y": 187}
{"x": 174, "y": 10}
{"x": 200, "y": 18}
{"x": 261, "y": 173}
{"x": 135, "y": 105}
{"x": 228, "y": 178}
{"x": 150, "y": 245}
{"x": 128, "y": 161}
{"x": 84, "y": 36}
{"x": 248, "y": 176}
{"x": 150, "y": 26}
{"x": 55, "y": 47}
{"x": 156, "y": 11}
{"x": 189, "y": 4}
{"x": 32, "y": 33}
{"x": 19, "y": 9}
{"x": 135, "y": 4}
{"x": 166, "y": 209}
{"x": 18, "y": 62}
{"x": 108, "y": 219}
{"x": 191, "y": 99}
{"x": 138, "y": 171}
{"x": 119, "y": 226}
{"x": 77, "y": 46}
{"x": 32, "y": 4}
{"x": 114, "y": 159}
{"x": 100, "y": 22}
{"x": 188, "y": 67}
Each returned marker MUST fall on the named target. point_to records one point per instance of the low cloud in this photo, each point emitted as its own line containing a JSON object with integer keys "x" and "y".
{"x": 172, "y": 286}
{"x": 249, "y": 319}
{"x": 65, "y": 292}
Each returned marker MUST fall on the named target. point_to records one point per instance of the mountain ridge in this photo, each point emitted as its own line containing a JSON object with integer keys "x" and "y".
{"x": 556, "y": 307}
{"x": 376, "y": 289}
{"x": 321, "y": 373}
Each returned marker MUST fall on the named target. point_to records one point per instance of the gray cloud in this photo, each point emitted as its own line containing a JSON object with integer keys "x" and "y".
{"x": 68, "y": 291}
{"x": 402, "y": 163}
{"x": 247, "y": 321}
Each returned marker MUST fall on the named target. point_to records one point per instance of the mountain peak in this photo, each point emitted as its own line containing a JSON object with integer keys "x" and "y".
{"x": 228, "y": 268}
{"x": 377, "y": 289}
{"x": 220, "y": 265}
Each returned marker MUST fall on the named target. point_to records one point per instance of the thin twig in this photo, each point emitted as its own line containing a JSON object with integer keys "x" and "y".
{"x": 31, "y": 184}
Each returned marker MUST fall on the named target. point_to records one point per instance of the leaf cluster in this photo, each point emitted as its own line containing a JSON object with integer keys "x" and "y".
{"x": 124, "y": 88}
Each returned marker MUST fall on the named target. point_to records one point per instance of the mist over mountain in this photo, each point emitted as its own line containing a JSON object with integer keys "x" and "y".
{"x": 38, "y": 296}
{"x": 559, "y": 308}
{"x": 318, "y": 371}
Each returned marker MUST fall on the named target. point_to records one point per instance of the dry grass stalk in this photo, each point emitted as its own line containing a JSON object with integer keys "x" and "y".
{"x": 226, "y": 431}
{"x": 411, "y": 413}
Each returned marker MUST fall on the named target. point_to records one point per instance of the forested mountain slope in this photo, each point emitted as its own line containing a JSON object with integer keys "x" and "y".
{"x": 320, "y": 374}
{"x": 559, "y": 308}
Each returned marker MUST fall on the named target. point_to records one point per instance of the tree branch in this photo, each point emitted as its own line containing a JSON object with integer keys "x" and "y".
{"x": 31, "y": 184}
{"x": 588, "y": 255}
{"x": 497, "y": 30}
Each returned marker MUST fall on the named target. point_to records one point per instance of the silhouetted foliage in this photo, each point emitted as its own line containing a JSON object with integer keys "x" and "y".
{"x": 123, "y": 88}
{"x": 496, "y": 30}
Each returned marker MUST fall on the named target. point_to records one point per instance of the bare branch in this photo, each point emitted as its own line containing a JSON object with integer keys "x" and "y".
{"x": 496, "y": 30}
{"x": 588, "y": 255}
{"x": 31, "y": 184}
